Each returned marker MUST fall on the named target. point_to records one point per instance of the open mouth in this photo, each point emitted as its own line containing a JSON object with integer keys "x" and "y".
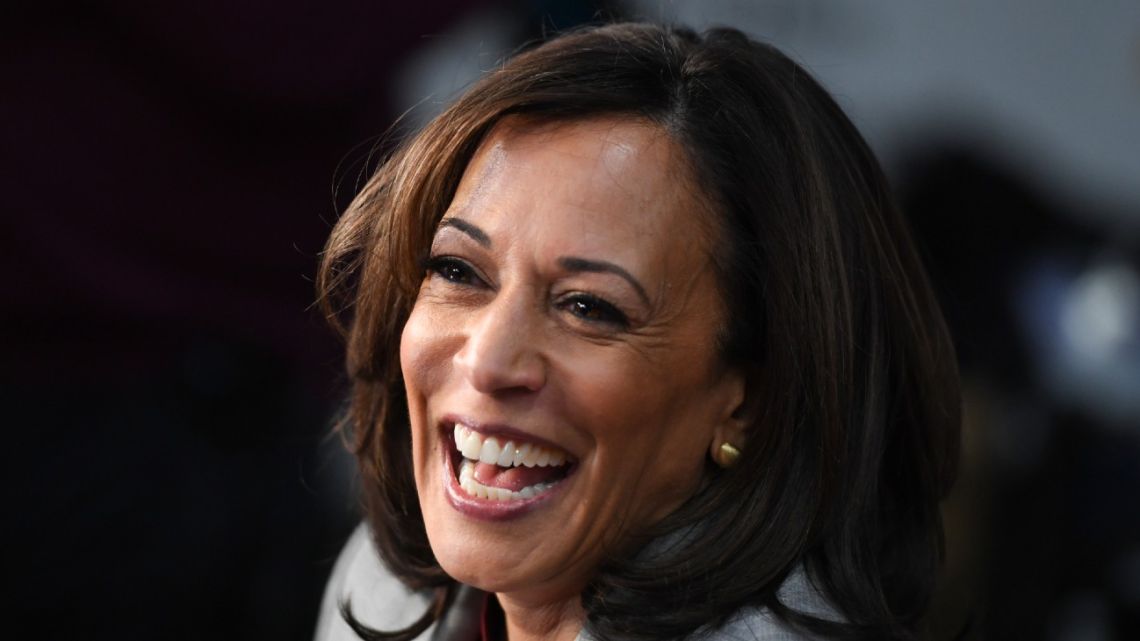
{"x": 500, "y": 468}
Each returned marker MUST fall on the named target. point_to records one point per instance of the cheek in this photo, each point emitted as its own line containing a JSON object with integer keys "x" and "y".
{"x": 411, "y": 349}
{"x": 424, "y": 363}
{"x": 650, "y": 426}
{"x": 424, "y": 353}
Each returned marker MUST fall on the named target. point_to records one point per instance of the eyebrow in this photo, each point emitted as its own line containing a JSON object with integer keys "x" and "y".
{"x": 575, "y": 264}
{"x": 476, "y": 234}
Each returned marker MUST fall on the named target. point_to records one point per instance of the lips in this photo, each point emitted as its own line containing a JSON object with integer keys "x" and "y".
{"x": 506, "y": 468}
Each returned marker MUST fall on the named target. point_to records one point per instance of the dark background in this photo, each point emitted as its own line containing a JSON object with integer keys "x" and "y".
{"x": 171, "y": 171}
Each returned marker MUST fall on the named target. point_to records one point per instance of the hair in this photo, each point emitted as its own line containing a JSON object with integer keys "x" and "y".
{"x": 853, "y": 384}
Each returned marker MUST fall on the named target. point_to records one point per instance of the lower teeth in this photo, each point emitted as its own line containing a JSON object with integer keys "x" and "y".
{"x": 475, "y": 488}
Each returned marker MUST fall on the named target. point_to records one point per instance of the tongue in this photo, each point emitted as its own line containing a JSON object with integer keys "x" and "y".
{"x": 516, "y": 478}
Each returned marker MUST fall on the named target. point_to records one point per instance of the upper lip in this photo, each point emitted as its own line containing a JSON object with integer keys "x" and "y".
{"x": 500, "y": 430}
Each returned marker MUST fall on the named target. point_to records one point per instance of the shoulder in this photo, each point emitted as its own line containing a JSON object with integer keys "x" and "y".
{"x": 760, "y": 624}
{"x": 377, "y": 597}
{"x": 381, "y": 601}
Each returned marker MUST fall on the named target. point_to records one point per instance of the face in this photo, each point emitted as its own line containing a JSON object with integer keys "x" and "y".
{"x": 560, "y": 361}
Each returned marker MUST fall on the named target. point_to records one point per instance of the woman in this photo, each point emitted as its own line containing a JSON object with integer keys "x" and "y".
{"x": 640, "y": 349}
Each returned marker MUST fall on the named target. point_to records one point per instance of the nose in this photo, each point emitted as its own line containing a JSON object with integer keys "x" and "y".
{"x": 500, "y": 353}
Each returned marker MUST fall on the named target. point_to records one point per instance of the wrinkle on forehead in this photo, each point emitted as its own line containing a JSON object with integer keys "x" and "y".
{"x": 626, "y": 140}
{"x": 609, "y": 155}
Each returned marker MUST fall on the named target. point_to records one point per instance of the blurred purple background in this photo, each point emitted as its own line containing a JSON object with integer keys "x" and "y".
{"x": 171, "y": 171}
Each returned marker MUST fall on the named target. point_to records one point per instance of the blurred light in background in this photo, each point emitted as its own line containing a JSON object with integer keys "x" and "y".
{"x": 1049, "y": 86}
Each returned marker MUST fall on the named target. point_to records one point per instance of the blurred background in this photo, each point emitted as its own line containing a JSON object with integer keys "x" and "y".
{"x": 171, "y": 170}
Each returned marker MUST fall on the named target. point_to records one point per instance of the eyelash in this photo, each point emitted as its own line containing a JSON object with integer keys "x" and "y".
{"x": 593, "y": 309}
{"x": 438, "y": 264}
{"x": 587, "y": 307}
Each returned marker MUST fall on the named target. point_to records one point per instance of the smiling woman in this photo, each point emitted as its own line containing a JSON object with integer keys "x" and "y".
{"x": 512, "y": 344}
{"x": 640, "y": 349}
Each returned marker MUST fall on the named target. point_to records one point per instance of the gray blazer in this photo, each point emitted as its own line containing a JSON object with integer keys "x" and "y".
{"x": 381, "y": 601}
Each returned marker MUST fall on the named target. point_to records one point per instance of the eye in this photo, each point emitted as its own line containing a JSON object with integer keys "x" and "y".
{"x": 452, "y": 270}
{"x": 593, "y": 309}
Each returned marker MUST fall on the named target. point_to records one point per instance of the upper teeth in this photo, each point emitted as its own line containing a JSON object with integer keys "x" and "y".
{"x": 489, "y": 449}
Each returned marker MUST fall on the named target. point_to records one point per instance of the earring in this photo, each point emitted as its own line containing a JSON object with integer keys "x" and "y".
{"x": 727, "y": 455}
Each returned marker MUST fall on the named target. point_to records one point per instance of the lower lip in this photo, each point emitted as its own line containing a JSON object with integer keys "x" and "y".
{"x": 485, "y": 509}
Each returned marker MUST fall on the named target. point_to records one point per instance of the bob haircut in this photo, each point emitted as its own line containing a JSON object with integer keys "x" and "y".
{"x": 852, "y": 380}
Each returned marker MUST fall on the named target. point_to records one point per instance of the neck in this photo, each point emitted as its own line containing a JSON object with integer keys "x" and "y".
{"x": 526, "y": 621}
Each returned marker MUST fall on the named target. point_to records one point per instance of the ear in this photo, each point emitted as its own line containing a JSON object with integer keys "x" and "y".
{"x": 732, "y": 426}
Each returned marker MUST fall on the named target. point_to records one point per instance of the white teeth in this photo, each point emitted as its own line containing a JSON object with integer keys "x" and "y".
{"x": 490, "y": 451}
{"x": 476, "y": 489}
{"x": 507, "y": 456}
{"x": 470, "y": 446}
{"x": 521, "y": 453}
{"x": 474, "y": 446}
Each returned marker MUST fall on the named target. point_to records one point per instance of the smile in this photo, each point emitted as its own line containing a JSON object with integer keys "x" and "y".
{"x": 505, "y": 469}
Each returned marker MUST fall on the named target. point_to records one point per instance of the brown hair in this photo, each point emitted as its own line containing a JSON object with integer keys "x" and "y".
{"x": 852, "y": 374}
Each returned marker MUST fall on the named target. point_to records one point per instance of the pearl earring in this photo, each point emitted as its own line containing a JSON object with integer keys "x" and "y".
{"x": 727, "y": 455}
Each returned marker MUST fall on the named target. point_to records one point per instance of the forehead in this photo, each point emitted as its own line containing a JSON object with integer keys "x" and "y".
{"x": 610, "y": 183}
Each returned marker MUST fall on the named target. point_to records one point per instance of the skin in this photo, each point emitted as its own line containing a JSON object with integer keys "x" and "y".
{"x": 620, "y": 373}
